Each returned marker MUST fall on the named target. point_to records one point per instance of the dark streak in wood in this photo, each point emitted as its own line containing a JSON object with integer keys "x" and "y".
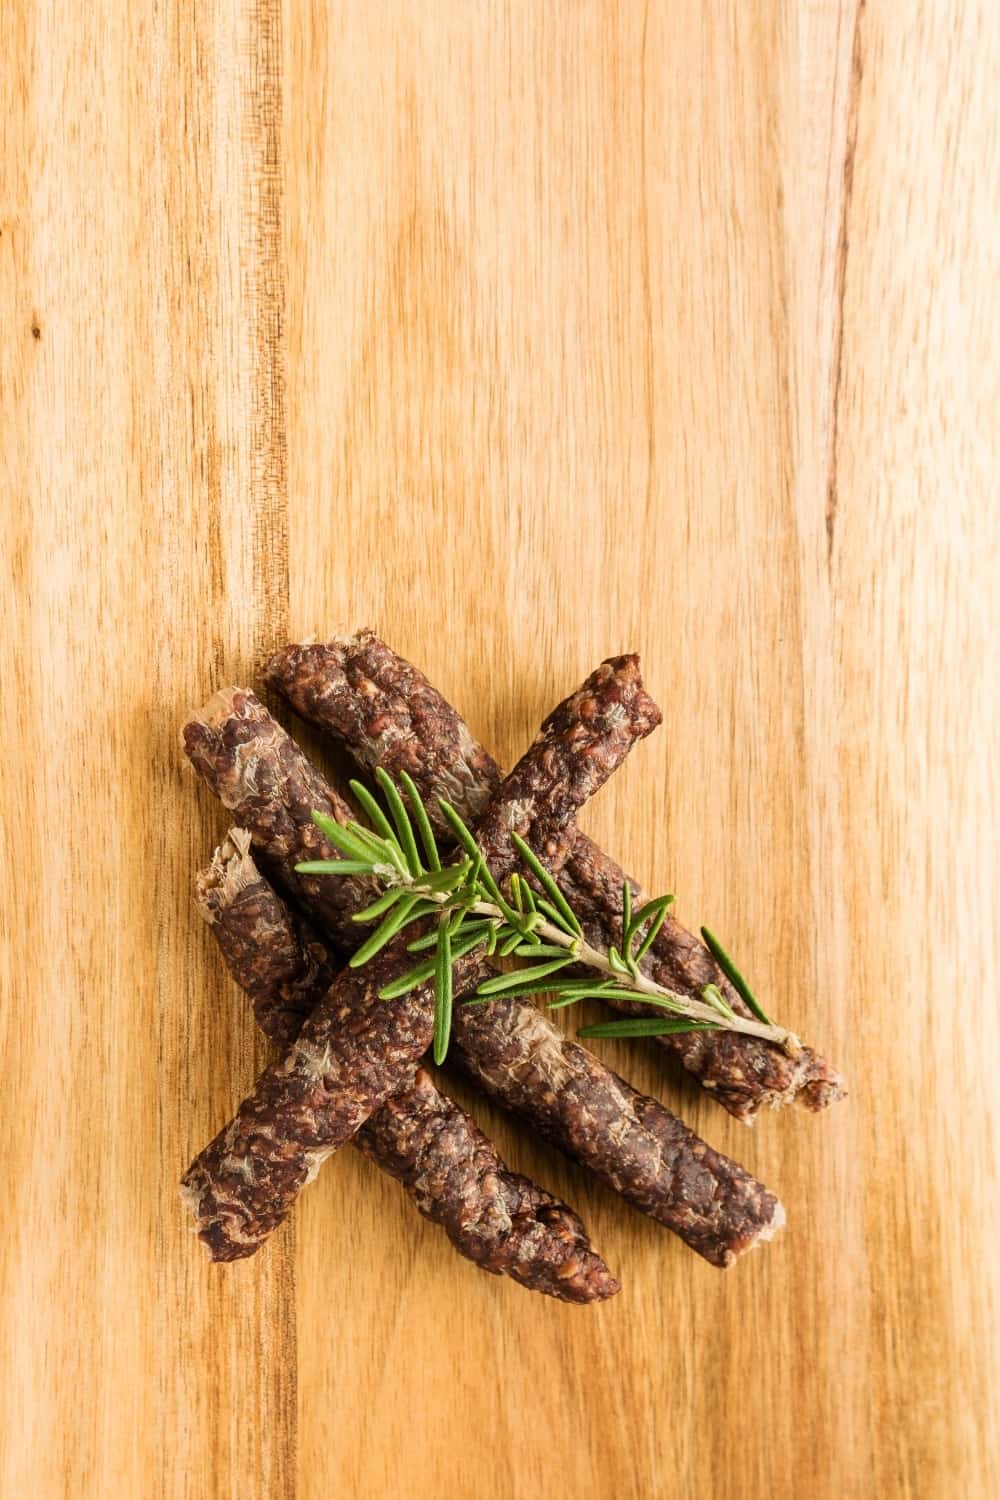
{"x": 840, "y": 277}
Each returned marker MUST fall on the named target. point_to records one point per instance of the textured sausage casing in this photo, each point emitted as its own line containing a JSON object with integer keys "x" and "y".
{"x": 274, "y": 954}
{"x": 259, "y": 773}
{"x": 497, "y": 1218}
{"x": 659, "y": 1157}
{"x": 630, "y": 1141}
{"x": 356, "y": 1051}
{"x": 387, "y": 714}
{"x": 744, "y": 1073}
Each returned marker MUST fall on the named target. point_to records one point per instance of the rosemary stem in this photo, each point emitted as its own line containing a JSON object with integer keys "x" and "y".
{"x": 593, "y": 958}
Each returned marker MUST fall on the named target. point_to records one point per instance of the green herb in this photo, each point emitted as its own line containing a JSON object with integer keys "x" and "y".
{"x": 548, "y": 885}
{"x": 533, "y": 921}
{"x": 334, "y": 867}
{"x": 520, "y": 978}
{"x": 400, "y": 817}
{"x": 393, "y": 923}
{"x": 380, "y": 822}
{"x": 422, "y": 820}
{"x": 734, "y": 976}
{"x": 641, "y": 1027}
{"x": 442, "y": 994}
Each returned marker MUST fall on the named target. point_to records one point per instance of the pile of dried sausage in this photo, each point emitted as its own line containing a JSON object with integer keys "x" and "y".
{"x": 350, "y": 1067}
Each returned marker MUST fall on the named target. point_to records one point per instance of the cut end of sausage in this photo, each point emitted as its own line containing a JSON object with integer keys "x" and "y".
{"x": 231, "y": 871}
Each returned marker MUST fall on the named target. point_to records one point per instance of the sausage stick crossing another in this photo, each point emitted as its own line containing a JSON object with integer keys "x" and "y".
{"x": 510, "y": 1047}
{"x": 386, "y": 713}
{"x": 356, "y": 1050}
{"x": 499, "y": 1219}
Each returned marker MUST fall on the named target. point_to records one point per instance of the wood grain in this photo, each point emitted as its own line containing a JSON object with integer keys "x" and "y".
{"x": 606, "y": 326}
{"x": 145, "y": 560}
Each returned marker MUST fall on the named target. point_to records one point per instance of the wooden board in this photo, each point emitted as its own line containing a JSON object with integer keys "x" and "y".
{"x": 526, "y": 334}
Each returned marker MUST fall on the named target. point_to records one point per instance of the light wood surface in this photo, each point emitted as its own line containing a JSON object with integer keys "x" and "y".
{"x": 526, "y": 334}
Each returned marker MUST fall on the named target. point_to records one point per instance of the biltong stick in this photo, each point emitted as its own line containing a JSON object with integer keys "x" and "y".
{"x": 661, "y": 1159}
{"x": 386, "y": 713}
{"x": 262, "y": 777}
{"x": 630, "y": 1141}
{"x": 276, "y": 957}
{"x": 745, "y": 1073}
{"x": 356, "y": 1050}
{"x": 497, "y": 1218}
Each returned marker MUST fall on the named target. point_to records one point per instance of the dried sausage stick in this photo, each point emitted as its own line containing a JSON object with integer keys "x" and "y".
{"x": 356, "y": 1051}
{"x": 386, "y": 713}
{"x": 662, "y": 1160}
{"x": 497, "y": 1218}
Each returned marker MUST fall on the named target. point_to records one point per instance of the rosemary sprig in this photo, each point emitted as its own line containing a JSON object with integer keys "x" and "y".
{"x": 734, "y": 976}
{"x": 532, "y": 922}
{"x": 442, "y": 992}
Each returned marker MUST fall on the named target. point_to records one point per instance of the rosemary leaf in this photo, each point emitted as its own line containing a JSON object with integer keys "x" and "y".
{"x": 645, "y": 912}
{"x": 506, "y": 948}
{"x": 547, "y": 883}
{"x": 515, "y": 919}
{"x": 409, "y": 981}
{"x": 370, "y": 840}
{"x": 640, "y": 1027}
{"x": 369, "y": 805}
{"x": 517, "y": 991}
{"x": 538, "y": 949}
{"x": 462, "y": 832}
{"x": 556, "y": 917}
{"x": 334, "y": 867}
{"x": 523, "y": 990}
{"x": 381, "y": 906}
{"x": 620, "y": 992}
{"x": 483, "y": 873}
{"x": 422, "y": 943}
{"x": 626, "y": 908}
{"x": 429, "y": 939}
{"x": 499, "y": 983}
{"x": 395, "y": 919}
{"x": 425, "y": 907}
{"x": 617, "y": 963}
{"x": 443, "y": 994}
{"x": 481, "y": 885}
{"x": 476, "y": 869}
{"x": 713, "y": 996}
{"x": 532, "y": 940}
{"x": 420, "y": 973}
{"x": 465, "y": 941}
{"x": 456, "y": 915}
{"x": 344, "y": 839}
{"x": 421, "y": 819}
{"x": 592, "y": 986}
{"x": 585, "y": 992}
{"x": 653, "y": 931}
{"x": 734, "y": 976}
{"x": 447, "y": 879}
{"x": 401, "y": 818}
{"x": 665, "y": 1002}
